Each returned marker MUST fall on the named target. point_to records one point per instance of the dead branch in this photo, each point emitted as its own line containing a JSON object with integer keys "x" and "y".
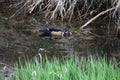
{"x": 118, "y": 6}
{"x": 95, "y": 17}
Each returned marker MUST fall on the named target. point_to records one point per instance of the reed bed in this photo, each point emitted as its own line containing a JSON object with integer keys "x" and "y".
{"x": 65, "y": 9}
{"x": 68, "y": 69}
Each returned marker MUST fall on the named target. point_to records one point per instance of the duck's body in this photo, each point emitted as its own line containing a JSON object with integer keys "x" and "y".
{"x": 55, "y": 32}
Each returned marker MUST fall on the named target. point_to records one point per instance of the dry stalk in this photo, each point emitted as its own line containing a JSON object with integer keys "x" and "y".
{"x": 65, "y": 9}
{"x": 27, "y": 7}
{"x": 118, "y": 6}
{"x": 95, "y": 17}
{"x": 59, "y": 8}
{"x": 70, "y": 10}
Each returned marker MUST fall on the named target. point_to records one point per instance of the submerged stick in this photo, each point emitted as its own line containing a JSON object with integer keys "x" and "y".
{"x": 95, "y": 17}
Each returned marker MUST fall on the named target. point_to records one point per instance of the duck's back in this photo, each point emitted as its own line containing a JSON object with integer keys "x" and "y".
{"x": 52, "y": 29}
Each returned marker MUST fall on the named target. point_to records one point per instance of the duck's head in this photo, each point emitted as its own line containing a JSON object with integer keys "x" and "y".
{"x": 67, "y": 33}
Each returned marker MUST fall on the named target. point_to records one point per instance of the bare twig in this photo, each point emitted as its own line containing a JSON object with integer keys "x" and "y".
{"x": 64, "y": 9}
{"x": 95, "y": 17}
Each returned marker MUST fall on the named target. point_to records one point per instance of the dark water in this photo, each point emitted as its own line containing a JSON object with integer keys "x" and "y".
{"x": 18, "y": 39}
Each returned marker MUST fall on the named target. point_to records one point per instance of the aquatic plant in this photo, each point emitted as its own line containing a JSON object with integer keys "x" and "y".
{"x": 68, "y": 69}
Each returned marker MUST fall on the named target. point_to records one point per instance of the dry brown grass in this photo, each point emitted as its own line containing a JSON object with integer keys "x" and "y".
{"x": 66, "y": 9}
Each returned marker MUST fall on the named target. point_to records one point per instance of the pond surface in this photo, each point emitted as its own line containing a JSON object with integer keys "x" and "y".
{"x": 18, "y": 40}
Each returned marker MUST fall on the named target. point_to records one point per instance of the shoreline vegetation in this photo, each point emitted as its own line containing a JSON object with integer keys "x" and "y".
{"x": 65, "y": 9}
{"x": 67, "y": 69}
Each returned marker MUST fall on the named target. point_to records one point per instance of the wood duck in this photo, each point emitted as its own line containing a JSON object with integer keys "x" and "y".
{"x": 55, "y": 32}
